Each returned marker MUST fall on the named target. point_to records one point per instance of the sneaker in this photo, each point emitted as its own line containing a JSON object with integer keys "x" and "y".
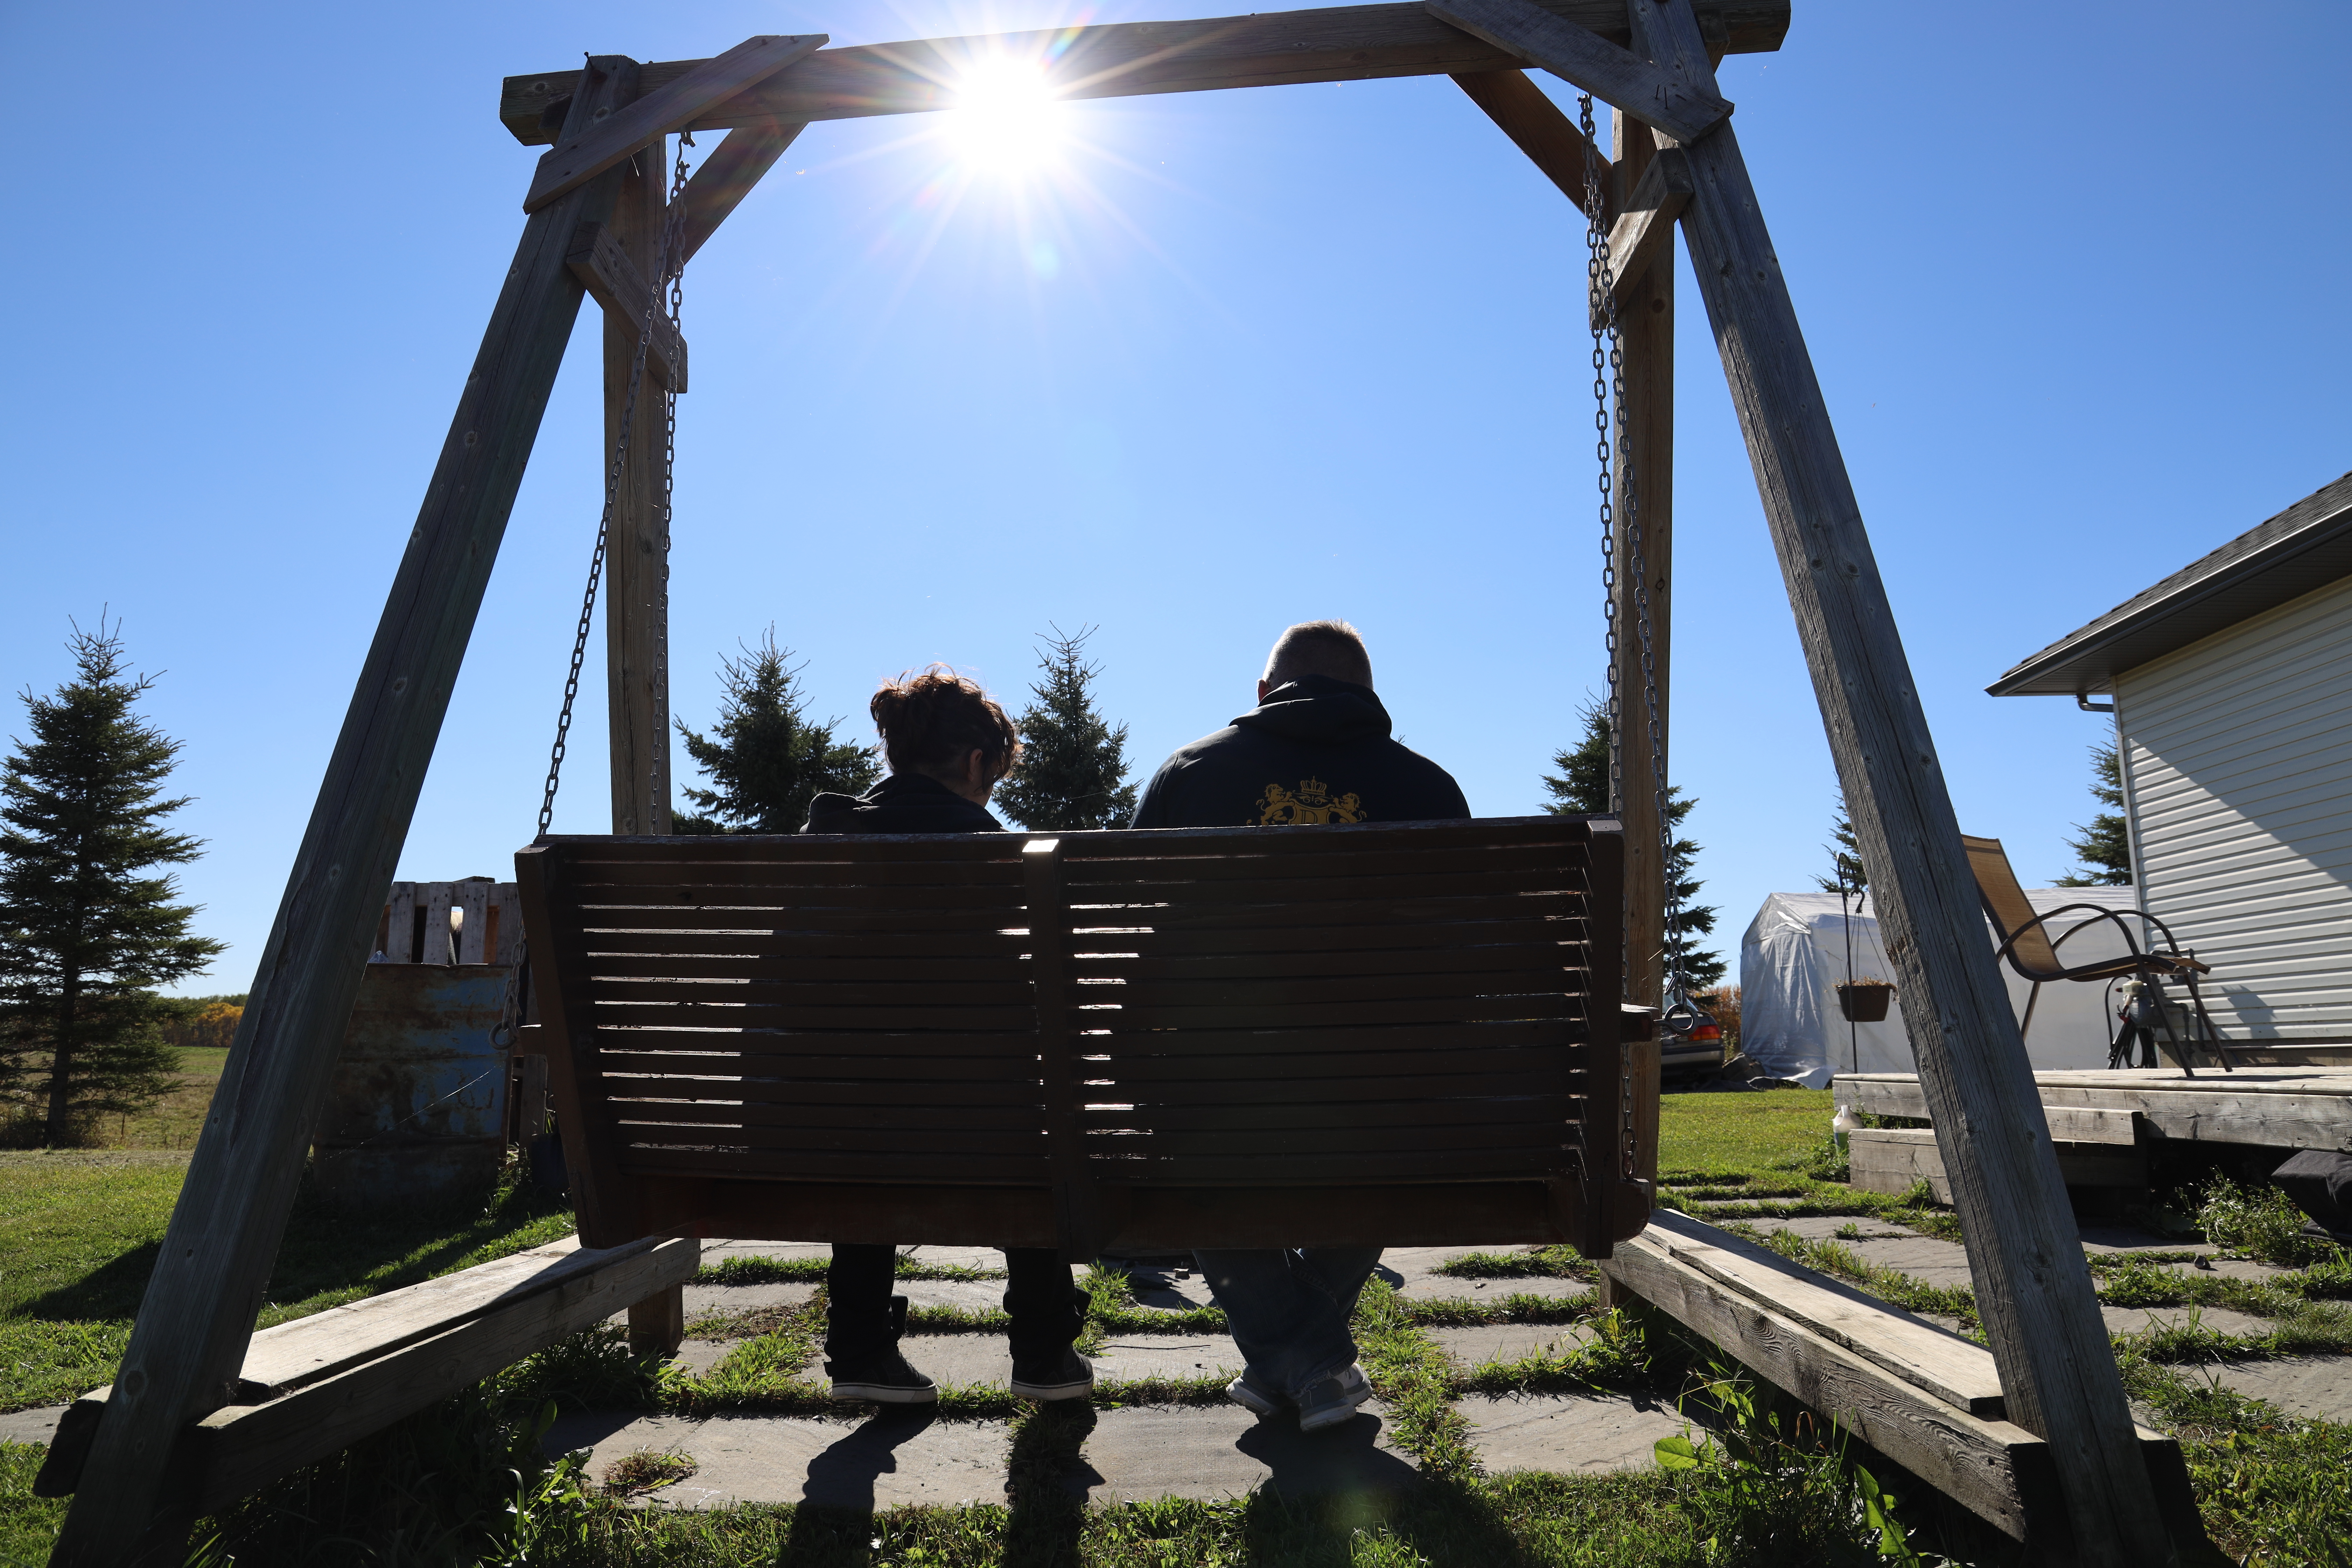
{"x": 885, "y": 1378}
{"x": 1068, "y": 1376}
{"x": 1256, "y": 1396}
{"x": 1331, "y": 1400}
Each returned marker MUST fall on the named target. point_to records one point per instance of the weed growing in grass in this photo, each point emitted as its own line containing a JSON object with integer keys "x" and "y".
{"x": 1414, "y": 1378}
{"x": 1534, "y": 1262}
{"x": 2261, "y": 1221}
{"x": 591, "y": 1370}
{"x": 1617, "y": 1355}
{"x": 633, "y": 1475}
{"x": 1766, "y": 1485}
{"x": 1514, "y": 1307}
{"x": 2273, "y": 1489}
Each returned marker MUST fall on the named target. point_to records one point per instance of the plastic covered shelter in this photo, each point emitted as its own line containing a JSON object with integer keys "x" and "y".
{"x": 1794, "y": 954}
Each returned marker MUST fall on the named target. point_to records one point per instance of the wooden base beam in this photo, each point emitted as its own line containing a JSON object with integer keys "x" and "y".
{"x": 320, "y": 1384}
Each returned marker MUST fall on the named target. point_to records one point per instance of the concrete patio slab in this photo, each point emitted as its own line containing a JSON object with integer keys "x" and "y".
{"x": 1474, "y": 1347}
{"x": 906, "y": 1456}
{"x": 1566, "y": 1433}
{"x": 2315, "y": 1387}
{"x": 2214, "y": 1319}
{"x": 1209, "y": 1452}
{"x": 31, "y": 1426}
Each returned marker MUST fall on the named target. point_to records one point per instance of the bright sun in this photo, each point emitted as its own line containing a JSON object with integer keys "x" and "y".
{"x": 1006, "y": 118}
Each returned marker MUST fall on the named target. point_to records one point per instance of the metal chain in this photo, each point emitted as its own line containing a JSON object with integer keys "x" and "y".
{"x": 669, "y": 274}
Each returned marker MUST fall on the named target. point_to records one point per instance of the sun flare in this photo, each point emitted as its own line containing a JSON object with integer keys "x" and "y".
{"x": 1006, "y": 118}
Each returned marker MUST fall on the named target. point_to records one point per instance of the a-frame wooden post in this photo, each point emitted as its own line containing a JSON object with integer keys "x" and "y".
{"x": 2033, "y": 1289}
{"x": 1643, "y": 484}
{"x": 637, "y": 564}
{"x": 188, "y": 1344}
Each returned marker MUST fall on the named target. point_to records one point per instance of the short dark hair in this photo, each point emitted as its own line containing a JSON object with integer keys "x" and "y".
{"x": 929, "y": 718}
{"x": 1319, "y": 647}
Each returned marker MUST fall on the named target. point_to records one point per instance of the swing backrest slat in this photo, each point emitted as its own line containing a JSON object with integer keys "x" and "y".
{"x": 1091, "y": 1037}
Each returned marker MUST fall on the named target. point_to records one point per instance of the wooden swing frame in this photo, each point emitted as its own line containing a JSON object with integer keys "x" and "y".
{"x": 593, "y": 219}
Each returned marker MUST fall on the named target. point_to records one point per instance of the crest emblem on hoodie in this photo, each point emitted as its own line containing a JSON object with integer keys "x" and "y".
{"x": 1312, "y": 805}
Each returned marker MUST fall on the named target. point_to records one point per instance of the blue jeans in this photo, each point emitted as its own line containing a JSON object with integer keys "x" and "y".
{"x": 1289, "y": 1310}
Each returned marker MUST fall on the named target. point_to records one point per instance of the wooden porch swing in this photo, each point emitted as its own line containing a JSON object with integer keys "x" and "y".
{"x": 1393, "y": 1034}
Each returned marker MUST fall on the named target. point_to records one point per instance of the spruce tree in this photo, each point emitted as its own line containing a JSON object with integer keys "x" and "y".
{"x": 766, "y": 760}
{"x": 2104, "y": 852}
{"x": 1845, "y": 857}
{"x": 85, "y": 938}
{"x": 1580, "y": 788}
{"x": 1073, "y": 771}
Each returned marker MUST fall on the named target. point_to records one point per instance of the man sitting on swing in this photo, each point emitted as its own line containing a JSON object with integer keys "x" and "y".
{"x": 948, "y": 744}
{"x": 1316, "y": 749}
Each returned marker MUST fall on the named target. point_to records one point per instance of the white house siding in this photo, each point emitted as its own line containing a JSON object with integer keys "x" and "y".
{"x": 2239, "y": 750}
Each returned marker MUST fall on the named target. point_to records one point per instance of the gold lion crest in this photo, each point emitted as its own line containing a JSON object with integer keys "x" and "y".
{"x": 1311, "y": 806}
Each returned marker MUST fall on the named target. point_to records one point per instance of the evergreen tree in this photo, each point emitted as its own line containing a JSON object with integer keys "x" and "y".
{"x": 84, "y": 938}
{"x": 1072, "y": 770}
{"x": 2104, "y": 852}
{"x": 765, "y": 759}
{"x": 1845, "y": 857}
{"x": 1580, "y": 788}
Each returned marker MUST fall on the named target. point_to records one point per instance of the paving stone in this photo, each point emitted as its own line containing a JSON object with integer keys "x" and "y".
{"x": 905, "y": 1455}
{"x": 956, "y": 1256}
{"x": 699, "y": 1356}
{"x": 703, "y": 1299}
{"x": 1825, "y": 1228}
{"x": 1444, "y": 1288}
{"x": 969, "y": 1294}
{"x": 31, "y": 1426}
{"x": 1168, "y": 1290}
{"x": 2213, "y": 1319}
{"x": 1566, "y": 1432}
{"x": 1926, "y": 1259}
{"x": 1214, "y": 1451}
{"x": 1475, "y": 1346}
{"x": 1133, "y": 1356}
{"x": 2316, "y": 1387}
{"x": 982, "y": 1360}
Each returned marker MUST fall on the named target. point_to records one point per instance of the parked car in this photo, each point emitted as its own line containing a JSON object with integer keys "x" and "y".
{"x": 1690, "y": 1042}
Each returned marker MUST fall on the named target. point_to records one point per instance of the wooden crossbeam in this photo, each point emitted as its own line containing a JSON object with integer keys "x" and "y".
{"x": 1344, "y": 42}
{"x": 1675, "y": 102}
{"x": 727, "y": 176}
{"x": 613, "y": 281}
{"x": 1537, "y": 127}
{"x": 598, "y": 143}
{"x": 1646, "y": 226}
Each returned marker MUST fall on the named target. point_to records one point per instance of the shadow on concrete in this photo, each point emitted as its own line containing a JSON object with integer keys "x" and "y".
{"x": 843, "y": 1476}
{"x": 1343, "y": 1458}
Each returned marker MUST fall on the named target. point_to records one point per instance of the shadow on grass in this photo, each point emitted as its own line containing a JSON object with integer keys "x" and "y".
{"x": 327, "y": 1247}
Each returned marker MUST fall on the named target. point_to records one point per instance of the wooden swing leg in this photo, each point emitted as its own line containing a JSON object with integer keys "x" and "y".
{"x": 2041, "y": 1314}
{"x": 658, "y": 1323}
{"x": 189, "y": 1342}
{"x": 2057, "y": 1370}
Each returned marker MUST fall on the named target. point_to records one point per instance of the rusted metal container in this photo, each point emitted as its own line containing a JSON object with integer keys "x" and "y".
{"x": 419, "y": 1107}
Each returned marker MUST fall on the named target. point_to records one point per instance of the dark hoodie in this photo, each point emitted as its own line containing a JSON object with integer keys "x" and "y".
{"x": 903, "y": 802}
{"x": 1315, "y": 751}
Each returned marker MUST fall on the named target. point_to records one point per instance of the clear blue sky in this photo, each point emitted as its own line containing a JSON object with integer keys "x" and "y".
{"x": 2074, "y": 278}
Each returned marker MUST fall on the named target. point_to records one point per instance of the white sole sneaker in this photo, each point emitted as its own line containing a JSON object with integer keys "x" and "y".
{"x": 1253, "y": 1398}
{"x": 1334, "y": 1400}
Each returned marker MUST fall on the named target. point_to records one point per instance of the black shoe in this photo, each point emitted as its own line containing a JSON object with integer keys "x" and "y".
{"x": 885, "y": 1378}
{"x": 1067, "y": 1376}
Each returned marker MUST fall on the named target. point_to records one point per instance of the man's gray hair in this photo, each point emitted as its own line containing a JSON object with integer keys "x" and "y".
{"x": 1319, "y": 647}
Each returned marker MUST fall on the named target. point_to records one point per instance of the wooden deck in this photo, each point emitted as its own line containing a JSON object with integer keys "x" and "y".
{"x": 2278, "y": 1108}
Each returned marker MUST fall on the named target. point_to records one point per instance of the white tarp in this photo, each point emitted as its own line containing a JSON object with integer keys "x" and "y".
{"x": 1794, "y": 954}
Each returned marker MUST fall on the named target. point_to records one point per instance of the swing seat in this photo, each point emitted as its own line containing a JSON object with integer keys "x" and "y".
{"x": 1346, "y": 1034}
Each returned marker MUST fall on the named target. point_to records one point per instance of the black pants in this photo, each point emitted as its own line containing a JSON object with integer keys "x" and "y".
{"x": 864, "y": 1316}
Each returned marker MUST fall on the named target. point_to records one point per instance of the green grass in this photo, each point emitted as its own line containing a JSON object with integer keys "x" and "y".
{"x": 79, "y": 1231}
{"x": 1740, "y": 1132}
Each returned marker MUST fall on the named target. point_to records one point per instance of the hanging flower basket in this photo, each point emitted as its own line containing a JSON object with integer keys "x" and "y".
{"x": 1864, "y": 1001}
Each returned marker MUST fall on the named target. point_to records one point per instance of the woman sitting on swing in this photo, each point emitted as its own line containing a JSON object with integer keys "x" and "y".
{"x": 948, "y": 744}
